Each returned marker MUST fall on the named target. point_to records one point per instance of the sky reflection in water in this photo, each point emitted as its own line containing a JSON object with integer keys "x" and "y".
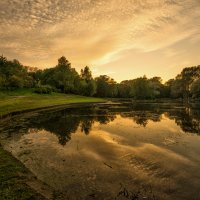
{"x": 111, "y": 151}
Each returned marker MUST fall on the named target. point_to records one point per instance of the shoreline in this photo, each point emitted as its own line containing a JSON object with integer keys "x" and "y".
{"x": 14, "y": 103}
{"x": 16, "y": 181}
{"x": 52, "y": 107}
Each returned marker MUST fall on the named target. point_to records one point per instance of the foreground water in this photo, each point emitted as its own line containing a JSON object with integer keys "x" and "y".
{"x": 114, "y": 151}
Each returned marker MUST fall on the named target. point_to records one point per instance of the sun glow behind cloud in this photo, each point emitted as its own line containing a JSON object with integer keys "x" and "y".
{"x": 125, "y": 38}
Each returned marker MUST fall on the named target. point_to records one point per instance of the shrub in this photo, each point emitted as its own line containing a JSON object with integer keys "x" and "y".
{"x": 15, "y": 82}
{"x": 44, "y": 89}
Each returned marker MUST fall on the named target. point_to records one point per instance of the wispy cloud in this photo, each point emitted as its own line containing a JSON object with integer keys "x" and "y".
{"x": 93, "y": 31}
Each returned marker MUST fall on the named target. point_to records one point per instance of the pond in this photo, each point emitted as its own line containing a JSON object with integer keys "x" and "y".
{"x": 111, "y": 151}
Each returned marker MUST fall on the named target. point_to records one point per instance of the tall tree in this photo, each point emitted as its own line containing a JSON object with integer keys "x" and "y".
{"x": 106, "y": 86}
{"x": 62, "y": 76}
{"x": 86, "y": 74}
{"x": 141, "y": 89}
{"x": 188, "y": 75}
{"x": 87, "y": 84}
{"x": 156, "y": 86}
{"x": 195, "y": 89}
{"x": 124, "y": 89}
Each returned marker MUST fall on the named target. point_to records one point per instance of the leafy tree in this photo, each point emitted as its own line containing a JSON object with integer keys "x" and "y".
{"x": 3, "y": 61}
{"x": 36, "y": 75}
{"x": 106, "y": 86}
{"x": 13, "y": 74}
{"x": 195, "y": 89}
{"x": 86, "y": 74}
{"x": 176, "y": 88}
{"x": 62, "y": 76}
{"x": 141, "y": 89}
{"x": 188, "y": 75}
{"x": 87, "y": 84}
{"x": 15, "y": 82}
{"x": 65, "y": 79}
{"x": 82, "y": 87}
{"x": 124, "y": 89}
{"x": 91, "y": 88}
{"x": 62, "y": 61}
{"x": 180, "y": 87}
{"x": 155, "y": 84}
{"x": 2, "y": 81}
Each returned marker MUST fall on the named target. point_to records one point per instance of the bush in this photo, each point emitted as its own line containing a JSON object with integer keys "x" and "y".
{"x": 44, "y": 89}
{"x": 15, "y": 82}
{"x": 2, "y": 81}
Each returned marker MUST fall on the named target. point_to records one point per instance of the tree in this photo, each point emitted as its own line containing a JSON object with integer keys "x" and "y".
{"x": 156, "y": 86}
{"x": 35, "y": 74}
{"x": 106, "y": 86}
{"x": 2, "y": 81}
{"x": 62, "y": 61}
{"x": 87, "y": 84}
{"x": 188, "y": 75}
{"x": 91, "y": 88}
{"x": 176, "y": 88}
{"x": 195, "y": 89}
{"x": 180, "y": 86}
{"x": 86, "y": 74}
{"x": 62, "y": 76}
{"x": 15, "y": 82}
{"x": 141, "y": 89}
{"x": 3, "y": 60}
{"x": 13, "y": 74}
{"x": 124, "y": 89}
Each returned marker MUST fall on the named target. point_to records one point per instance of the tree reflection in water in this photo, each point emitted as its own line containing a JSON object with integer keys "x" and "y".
{"x": 64, "y": 123}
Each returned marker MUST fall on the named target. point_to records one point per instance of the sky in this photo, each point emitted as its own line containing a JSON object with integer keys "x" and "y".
{"x": 124, "y": 39}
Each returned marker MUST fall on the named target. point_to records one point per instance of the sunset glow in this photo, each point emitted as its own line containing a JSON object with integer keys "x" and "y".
{"x": 124, "y": 39}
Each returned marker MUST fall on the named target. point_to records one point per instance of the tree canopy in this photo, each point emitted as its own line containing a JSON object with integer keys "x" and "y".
{"x": 64, "y": 78}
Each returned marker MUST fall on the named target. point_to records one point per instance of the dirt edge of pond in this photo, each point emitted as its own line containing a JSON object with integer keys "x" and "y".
{"x": 16, "y": 181}
{"x": 66, "y": 105}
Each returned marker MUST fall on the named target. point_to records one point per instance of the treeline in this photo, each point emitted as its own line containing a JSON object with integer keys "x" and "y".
{"x": 63, "y": 78}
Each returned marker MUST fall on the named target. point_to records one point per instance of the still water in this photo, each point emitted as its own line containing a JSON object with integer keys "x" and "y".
{"x": 111, "y": 151}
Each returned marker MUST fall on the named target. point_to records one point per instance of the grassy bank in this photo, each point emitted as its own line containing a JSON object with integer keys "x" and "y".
{"x": 22, "y": 100}
{"x": 14, "y": 178}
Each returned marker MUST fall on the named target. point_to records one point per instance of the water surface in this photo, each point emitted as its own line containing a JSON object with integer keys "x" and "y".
{"x": 111, "y": 151}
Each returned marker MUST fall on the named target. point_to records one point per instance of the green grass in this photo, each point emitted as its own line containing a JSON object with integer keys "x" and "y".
{"x": 13, "y": 177}
{"x": 13, "y": 174}
{"x": 22, "y": 100}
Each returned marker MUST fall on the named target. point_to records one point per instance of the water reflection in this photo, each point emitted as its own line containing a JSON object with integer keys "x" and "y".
{"x": 188, "y": 119}
{"x": 111, "y": 151}
{"x": 62, "y": 123}
{"x": 65, "y": 122}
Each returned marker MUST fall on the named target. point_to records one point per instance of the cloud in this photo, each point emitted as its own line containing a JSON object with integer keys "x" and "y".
{"x": 93, "y": 31}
